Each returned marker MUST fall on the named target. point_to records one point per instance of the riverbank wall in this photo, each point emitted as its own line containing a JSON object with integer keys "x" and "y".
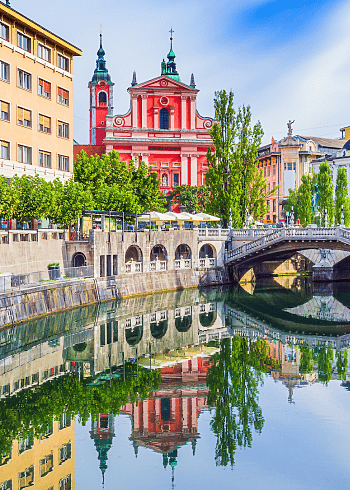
{"x": 54, "y": 296}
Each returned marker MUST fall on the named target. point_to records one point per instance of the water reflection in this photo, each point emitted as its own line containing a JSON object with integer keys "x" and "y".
{"x": 161, "y": 361}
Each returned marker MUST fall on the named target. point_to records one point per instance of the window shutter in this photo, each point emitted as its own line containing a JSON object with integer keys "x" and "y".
{"x": 20, "y": 113}
{"x": 41, "y": 120}
{"x": 4, "y": 107}
{"x": 47, "y": 87}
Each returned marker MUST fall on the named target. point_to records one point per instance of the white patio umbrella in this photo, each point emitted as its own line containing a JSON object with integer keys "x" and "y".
{"x": 206, "y": 217}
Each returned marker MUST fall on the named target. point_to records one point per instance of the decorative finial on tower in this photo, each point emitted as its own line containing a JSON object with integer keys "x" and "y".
{"x": 169, "y": 68}
{"x": 134, "y": 81}
{"x": 192, "y": 84}
{"x": 7, "y": 3}
{"x": 101, "y": 36}
{"x": 171, "y": 38}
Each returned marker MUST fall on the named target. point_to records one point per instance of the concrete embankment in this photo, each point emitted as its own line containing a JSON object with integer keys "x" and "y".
{"x": 54, "y": 296}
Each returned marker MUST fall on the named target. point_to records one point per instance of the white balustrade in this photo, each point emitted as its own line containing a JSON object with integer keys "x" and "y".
{"x": 158, "y": 265}
{"x": 207, "y": 262}
{"x": 133, "y": 267}
{"x": 183, "y": 264}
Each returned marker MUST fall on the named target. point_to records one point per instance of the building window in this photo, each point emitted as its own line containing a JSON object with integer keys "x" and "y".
{"x": 24, "y": 117}
{"x": 4, "y": 110}
{"x": 4, "y": 31}
{"x": 164, "y": 118}
{"x": 62, "y": 62}
{"x": 26, "y": 478}
{"x": 63, "y": 129}
{"x": 24, "y": 154}
{"x": 24, "y": 42}
{"x": 4, "y": 71}
{"x": 24, "y": 79}
{"x": 44, "y": 53}
{"x": 63, "y": 163}
{"x": 46, "y": 465}
{"x": 176, "y": 180}
{"x": 44, "y": 159}
{"x": 65, "y": 421}
{"x": 274, "y": 205}
{"x": 268, "y": 171}
{"x": 6, "y": 485}
{"x": 44, "y": 88}
{"x": 64, "y": 453}
{"x": 274, "y": 170}
{"x": 65, "y": 483}
{"x": 25, "y": 444}
{"x": 102, "y": 98}
{"x": 264, "y": 171}
{"x": 62, "y": 96}
{"x": 5, "y": 150}
{"x": 44, "y": 124}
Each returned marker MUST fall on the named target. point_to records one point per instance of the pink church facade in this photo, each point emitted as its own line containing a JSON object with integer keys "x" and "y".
{"x": 162, "y": 126}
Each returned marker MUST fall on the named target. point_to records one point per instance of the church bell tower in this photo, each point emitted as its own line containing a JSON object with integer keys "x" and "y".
{"x": 101, "y": 98}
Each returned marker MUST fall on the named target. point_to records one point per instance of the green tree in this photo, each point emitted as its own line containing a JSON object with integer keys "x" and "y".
{"x": 325, "y": 364}
{"x": 28, "y": 194}
{"x": 306, "y": 359}
{"x": 193, "y": 198}
{"x": 233, "y": 179}
{"x": 342, "y": 197}
{"x": 325, "y": 191}
{"x": 342, "y": 363}
{"x": 7, "y": 199}
{"x": 305, "y": 211}
{"x": 72, "y": 199}
{"x": 233, "y": 382}
{"x": 293, "y": 203}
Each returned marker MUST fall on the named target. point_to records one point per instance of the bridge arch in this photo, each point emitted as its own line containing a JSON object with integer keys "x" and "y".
{"x": 134, "y": 254}
{"x": 207, "y": 250}
{"x": 78, "y": 259}
{"x": 183, "y": 251}
{"x": 159, "y": 252}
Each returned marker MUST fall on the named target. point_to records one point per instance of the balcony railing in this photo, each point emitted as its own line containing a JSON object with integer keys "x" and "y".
{"x": 183, "y": 264}
{"x": 133, "y": 267}
{"x": 158, "y": 265}
{"x": 207, "y": 262}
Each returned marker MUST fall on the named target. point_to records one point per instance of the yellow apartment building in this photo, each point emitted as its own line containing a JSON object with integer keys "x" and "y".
{"x": 46, "y": 463}
{"x": 36, "y": 99}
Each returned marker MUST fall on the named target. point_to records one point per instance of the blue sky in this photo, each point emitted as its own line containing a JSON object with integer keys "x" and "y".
{"x": 287, "y": 59}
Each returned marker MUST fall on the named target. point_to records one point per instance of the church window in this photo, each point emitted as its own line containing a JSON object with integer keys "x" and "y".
{"x": 102, "y": 98}
{"x": 164, "y": 118}
{"x": 176, "y": 180}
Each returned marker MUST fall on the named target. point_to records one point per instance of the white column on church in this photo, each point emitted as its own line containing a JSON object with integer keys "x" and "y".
{"x": 184, "y": 161}
{"x": 193, "y": 112}
{"x": 183, "y": 111}
{"x": 136, "y": 416}
{"x": 134, "y": 110}
{"x": 156, "y": 117}
{"x": 172, "y": 118}
{"x": 193, "y": 170}
{"x": 145, "y": 159}
{"x": 184, "y": 413}
{"x": 144, "y": 110}
{"x": 145, "y": 416}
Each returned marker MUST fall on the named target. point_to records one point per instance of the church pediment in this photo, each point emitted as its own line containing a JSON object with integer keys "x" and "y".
{"x": 164, "y": 83}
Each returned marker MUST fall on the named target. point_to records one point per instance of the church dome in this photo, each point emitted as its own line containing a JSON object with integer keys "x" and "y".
{"x": 346, "y": 145}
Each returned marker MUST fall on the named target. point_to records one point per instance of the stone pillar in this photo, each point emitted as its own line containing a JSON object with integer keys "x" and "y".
{"x": 136, "y": 416}
{"x": 144, "y": 157}
{"x": 172, "y": 118}
{"x": 134, "y": 110}
{"x": 144, "y": 110}
{"x": 193, "y": 112}
{"x": 183, "y": 112}
{"x": 156, "y": 117}
{"x": 184, "y": 163}
{"x": 145, "y": 416}
{"x": 184, "y": 413}
{"x": 193, "y": 170}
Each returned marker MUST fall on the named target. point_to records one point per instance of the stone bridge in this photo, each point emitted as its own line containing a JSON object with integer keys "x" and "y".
{"x": 281, "y": 244}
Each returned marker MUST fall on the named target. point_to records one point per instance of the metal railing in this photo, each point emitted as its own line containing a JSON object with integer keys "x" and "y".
{"x": 10, "y": 281}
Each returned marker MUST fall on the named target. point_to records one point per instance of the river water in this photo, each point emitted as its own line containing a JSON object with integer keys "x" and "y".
{"x": 228, "y": 387}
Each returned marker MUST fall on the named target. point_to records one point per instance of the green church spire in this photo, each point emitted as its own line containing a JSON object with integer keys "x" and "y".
{"x": 169, "y": 68}
{"x": 101, "y": 72}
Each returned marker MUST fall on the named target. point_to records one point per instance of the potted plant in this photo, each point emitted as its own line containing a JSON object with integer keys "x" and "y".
{"x": 54, "y": 270}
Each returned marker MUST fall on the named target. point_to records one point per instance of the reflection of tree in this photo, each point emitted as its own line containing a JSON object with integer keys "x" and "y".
{"x": 324, "y": 364}
{"x": 342, "y": 363}
{"x": 306, "y": 359}
{"x": 233, "y": 381}
{"x": 31, "y": 411}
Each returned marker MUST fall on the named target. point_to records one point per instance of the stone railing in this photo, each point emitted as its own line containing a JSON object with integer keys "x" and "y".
{"x": 207, "y": 263}
{"x": 183, "y": 264}
{"x": 13, "y": 236}
{"x": 282, "y": 234}
{"x": 213, "y": 233}
{"x": 158, "y": 265}
{"x": 133, "y": 267}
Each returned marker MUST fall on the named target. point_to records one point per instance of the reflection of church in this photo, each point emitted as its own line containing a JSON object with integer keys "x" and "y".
{"x": 165, "y": 421}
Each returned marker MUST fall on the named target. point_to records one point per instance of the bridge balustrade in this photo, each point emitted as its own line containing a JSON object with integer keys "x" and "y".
{"x": 206, "y": 263}
{"x": 158, "y": 265}
{"x": 183, "y": 264}
{"x": 133, "y": 267}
